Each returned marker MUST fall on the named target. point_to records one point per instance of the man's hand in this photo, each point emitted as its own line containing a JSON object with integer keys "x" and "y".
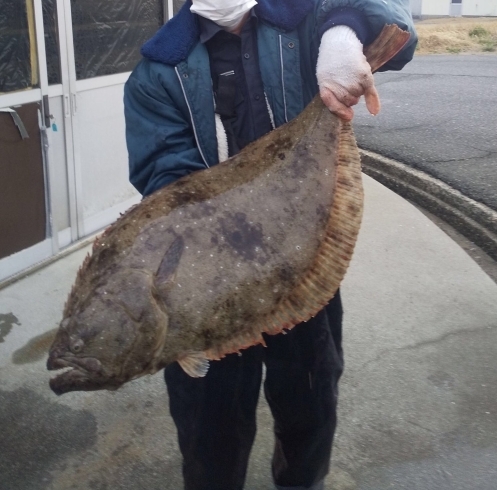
{"x": 343, "y": 73}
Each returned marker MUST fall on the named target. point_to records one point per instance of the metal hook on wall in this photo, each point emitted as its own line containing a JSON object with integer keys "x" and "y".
{"x": 17, "y": 121}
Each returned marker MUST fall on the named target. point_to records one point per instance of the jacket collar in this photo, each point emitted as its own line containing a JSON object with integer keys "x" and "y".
{"x": 175, "y": 39}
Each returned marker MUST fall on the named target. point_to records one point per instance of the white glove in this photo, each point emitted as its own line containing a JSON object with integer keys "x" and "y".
{"x": 343, "y": 73}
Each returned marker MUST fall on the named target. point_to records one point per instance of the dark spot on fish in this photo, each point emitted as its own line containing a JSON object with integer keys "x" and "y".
{"x": 277, "y": 297}
{"x": 229, "y": 304}
{"x": 122, "y": 448}
{"x": 286, "y": 274}
{"x": 302, "y": 163}
{"x": 193, "y": 194}
{"x": 104, "y": 254}
{"x": 7, "y": 321}
{"x": 139, "y": 429}
{"x": 249, "y": 317}
{"x": 291, "y": 211}
{"x": 203, "y": 210}
{"x": 246, "y": 239}
{"x": 189, "y": 233}
{"x": 216, "y": 282}
{"x": 121, "y": 338}
{"x": 148, "y": 215}
{"x": 212, "y": 336}
{"x": 322, "y": 214}
{"x": 281, "y": 156}
{"x": 182, "y": 198}
{"x": 208, "y": 334}
{"x": 279, "y": 144}
{"x": 236, "y": 238}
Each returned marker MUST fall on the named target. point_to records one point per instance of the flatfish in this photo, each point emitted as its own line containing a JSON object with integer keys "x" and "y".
{"x": 204, "y": 266}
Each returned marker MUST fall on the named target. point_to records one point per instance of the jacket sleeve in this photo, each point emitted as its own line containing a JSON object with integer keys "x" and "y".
{"x": 161, "y": 144}
{"x": 367, "y": 18}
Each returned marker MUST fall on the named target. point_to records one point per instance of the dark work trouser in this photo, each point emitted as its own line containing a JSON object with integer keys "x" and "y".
{"x": 215, "y": 415}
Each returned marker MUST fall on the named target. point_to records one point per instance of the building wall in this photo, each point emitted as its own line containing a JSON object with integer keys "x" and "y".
{"x": 416, "y": 7}
{"x": 435, "y": 7}
{"x": 480, "y": 8}
{"x": 439, "y": 8}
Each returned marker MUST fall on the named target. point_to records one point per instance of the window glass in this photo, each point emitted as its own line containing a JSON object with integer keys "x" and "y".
{"x": 108, "y": 34}
{"x": 51, "y": 41}
{"x": 18, "y": 60}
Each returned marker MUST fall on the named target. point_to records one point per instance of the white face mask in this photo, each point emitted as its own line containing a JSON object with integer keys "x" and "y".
{"x": 225, "y": 13}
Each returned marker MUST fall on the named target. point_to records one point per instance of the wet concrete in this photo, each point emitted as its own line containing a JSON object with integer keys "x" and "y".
{"x": 7, "y": 321}
{"x": 35, "y": 349}
{"x": 38, "y": 436}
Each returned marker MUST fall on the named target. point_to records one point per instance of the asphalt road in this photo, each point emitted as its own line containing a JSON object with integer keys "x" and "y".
{"x": 439, "y": 115}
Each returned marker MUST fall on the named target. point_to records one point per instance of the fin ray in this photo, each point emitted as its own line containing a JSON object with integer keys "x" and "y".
{"x": 195, "y": 364}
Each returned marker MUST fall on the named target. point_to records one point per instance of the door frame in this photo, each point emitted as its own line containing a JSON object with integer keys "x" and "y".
{"x": 15, "y": 263}
{"x": 81, "y": 227}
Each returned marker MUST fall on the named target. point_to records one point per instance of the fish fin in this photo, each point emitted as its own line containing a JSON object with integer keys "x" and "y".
{"x": 165, "y": 274}
{"x": 195, "y": 364}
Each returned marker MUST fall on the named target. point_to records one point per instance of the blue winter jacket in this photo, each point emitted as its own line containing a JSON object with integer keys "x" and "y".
{"x": 168, "y": 99}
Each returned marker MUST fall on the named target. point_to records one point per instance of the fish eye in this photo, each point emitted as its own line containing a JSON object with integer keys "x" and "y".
{"x": 77, "y": 346}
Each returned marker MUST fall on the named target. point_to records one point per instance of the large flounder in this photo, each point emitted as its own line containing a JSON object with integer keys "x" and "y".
{"x": 204, "y": 266}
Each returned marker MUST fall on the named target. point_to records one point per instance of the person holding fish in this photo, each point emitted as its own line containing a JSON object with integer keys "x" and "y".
{"x": 219, "y": 75}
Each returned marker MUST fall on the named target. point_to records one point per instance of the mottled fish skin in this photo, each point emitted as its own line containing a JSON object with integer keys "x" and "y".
{"x": 203, "y": 266}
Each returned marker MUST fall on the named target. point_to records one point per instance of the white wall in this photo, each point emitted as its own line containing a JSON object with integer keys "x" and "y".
{"x": 416, "y": 7}
{"x": 436, "y": 7}
{"x": 480, "y": 8}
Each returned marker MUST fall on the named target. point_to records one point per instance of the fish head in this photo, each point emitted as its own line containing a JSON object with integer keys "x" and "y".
{"x": 114, "y": 334}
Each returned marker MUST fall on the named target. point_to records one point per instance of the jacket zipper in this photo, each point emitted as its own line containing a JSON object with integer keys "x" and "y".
{"x": 283, "y": 77}
{"x": 191, "y": 117}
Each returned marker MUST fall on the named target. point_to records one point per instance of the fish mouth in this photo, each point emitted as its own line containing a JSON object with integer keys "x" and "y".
{"x": 78, "y": 374}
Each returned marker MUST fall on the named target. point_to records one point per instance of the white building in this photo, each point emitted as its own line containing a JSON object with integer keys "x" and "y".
{"x": 454, "y": 8}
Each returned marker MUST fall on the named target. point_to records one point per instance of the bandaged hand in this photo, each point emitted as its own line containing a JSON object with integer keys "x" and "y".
{"x": 343, "y": 73}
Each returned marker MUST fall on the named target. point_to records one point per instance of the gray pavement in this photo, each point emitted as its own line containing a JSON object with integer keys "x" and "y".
{"x": 417, "y": 408}
{"x": 440, "y": 116}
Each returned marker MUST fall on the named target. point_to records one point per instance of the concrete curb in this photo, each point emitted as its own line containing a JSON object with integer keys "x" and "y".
{"x": 474, "y": 220}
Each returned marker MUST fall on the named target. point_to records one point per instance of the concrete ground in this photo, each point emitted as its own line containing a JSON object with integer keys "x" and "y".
{"x": 417, "y": 408}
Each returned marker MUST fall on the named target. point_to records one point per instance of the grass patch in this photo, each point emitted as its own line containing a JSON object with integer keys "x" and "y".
{"x": 489, "y": 47}
{"x": 457, "y": 35}
{"x": 485, "y": 38}
{"x": 479, "y": 31}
